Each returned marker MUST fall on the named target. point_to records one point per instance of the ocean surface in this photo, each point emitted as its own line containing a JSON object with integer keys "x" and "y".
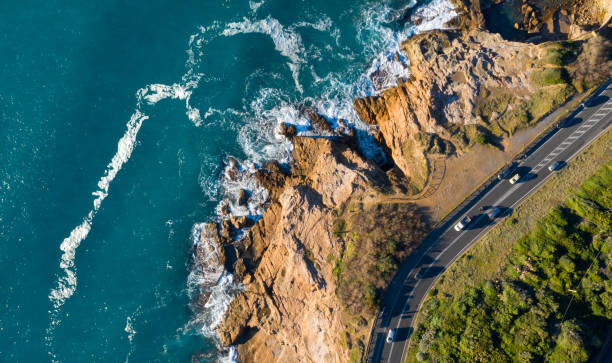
{"x": 117, "y": 121}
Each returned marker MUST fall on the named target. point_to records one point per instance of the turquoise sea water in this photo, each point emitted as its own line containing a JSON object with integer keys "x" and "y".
{"x": 117, "y": 119}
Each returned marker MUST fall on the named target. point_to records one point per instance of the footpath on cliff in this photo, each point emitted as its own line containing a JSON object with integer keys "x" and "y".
{"x": 314, "y": 266}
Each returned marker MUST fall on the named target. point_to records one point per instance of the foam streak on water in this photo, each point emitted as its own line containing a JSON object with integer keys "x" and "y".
{"x": 149, "y": 95}
{"x": 67, "y": 283}
{"x": 258, "y": 134}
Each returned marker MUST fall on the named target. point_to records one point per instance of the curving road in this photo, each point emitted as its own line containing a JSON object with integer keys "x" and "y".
{"x": 407, "y": 290}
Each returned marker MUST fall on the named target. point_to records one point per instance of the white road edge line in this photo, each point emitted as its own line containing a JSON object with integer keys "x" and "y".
{"x": 497, "y": 203}
{"x": 491, "y": 226}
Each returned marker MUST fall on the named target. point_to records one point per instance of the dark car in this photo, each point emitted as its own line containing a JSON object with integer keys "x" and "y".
{"x": 507, "y": 172}
{"x": 494, "y": 213}
{"x": 555, "y": 166}
{"x": 422, "y": 272}
{"x": 383, "y": 311}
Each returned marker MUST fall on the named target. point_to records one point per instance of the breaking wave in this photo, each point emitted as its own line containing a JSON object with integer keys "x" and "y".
{"x": 286, "y": 41}
{"x": 210, "y": 287}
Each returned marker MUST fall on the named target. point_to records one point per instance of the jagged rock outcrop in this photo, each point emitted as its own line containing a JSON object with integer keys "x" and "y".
{"x": 454, "y": 71}
{"x": 289, "y": 311}
{"x": 449, "y": 72}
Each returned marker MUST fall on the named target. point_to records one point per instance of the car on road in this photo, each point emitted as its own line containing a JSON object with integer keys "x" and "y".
{"x": 554, "y": 166}
{"x": 515, "y": 178}
{"x": 383, "y": 311}
{"x": 464, "y": 222}
{"x": 391, "y": 335}
{"x": 494, "y": 213}
{"x": 422, "y": 272}
{"x": 507, "y": 172}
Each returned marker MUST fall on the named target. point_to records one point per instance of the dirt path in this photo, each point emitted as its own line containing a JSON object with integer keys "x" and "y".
{"x": 454, "y": 177}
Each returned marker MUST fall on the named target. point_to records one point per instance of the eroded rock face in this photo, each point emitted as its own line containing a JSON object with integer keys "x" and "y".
{"x": 448, "y": 73}
{"x": 289, "y": 310}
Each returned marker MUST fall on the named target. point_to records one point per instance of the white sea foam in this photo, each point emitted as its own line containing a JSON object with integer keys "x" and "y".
{"x": 209, "y": 270}
{"x": 254, "y": 5}
{"x": 286, "y": 41}
{"x": 231, "y": 356}
{"x": 208, "y": 278}
{"x": 242, "y": 179}
{"x": 434, "y": 15}
{"x": 220, "y": 298}
{"x": 151, "y": 94}
{"x": 323, "y": 24}
{"x": 156, "y": 92}
{"x": 129, "y": 329}
{"x": 66, "y": 284}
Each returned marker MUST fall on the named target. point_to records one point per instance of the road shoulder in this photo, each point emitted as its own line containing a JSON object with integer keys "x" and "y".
{"x": 485, "y": 259}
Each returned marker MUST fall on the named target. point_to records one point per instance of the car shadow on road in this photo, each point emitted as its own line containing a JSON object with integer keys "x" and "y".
{"x": 428, "y": 272}
{"x": 570, "y": 122}
{"x": 480, "y": 220}
{"x": 526, "y": 174}
{"x": 596, "y": 101}
{"x": 403, "y": 334}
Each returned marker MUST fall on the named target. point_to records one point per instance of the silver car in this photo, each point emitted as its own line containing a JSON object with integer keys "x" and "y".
{"x": 391, "y": 335}
{"x": 462, "y": 223}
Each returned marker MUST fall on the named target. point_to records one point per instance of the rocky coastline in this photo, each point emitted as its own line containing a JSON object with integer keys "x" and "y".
{"x": 315, "y": 263}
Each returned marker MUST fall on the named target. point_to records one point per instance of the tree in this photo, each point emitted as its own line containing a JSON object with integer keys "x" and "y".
{"x": 569, "y": 346}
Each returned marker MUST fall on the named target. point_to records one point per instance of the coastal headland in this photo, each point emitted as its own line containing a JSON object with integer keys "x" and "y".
{"x": 336, "y": 224}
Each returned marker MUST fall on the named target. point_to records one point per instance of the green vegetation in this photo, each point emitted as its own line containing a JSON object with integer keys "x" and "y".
{"x": 485, "y": 260}
{"x": 560, "y": 54}
{"x": 354, "y": 346}
{"x": 548, "y": 99}
{"x": 549, "y": 76}
{"x": 465, "y": 136}
{"x": 372, "y": 251}
{"x": 555, "y": 55}
{"x": 503, "y": 114}
{"x": 416, "y": 158}
{"x": 493, "y": 105}
{"x": 554, "y": 285}
{"x": 263, "y": 313}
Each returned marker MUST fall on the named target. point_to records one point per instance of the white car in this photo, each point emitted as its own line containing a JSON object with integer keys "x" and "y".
{"x": 391, "y": 335}
{"x": 515, "y": 178}
{"x": 462, "y": 223}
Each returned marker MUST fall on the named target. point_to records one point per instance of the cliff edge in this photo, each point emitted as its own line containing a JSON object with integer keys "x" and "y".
{"x": 314, "y": 265}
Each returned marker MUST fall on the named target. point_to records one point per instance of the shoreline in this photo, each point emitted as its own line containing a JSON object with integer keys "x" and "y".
{"x": 305, "y": 184}
{"x": 320, "y": 123}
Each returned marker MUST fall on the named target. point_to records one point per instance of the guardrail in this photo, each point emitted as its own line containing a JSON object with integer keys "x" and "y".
{"x": 366, "y": 352}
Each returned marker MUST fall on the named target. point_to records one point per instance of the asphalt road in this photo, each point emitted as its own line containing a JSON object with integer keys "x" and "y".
{"x": 407, "y": 290}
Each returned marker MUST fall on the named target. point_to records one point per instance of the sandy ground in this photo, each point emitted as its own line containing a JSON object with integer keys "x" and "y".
{"x": 465, "y": 172}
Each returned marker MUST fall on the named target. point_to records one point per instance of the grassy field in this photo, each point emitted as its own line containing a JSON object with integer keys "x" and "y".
{"x": 487, "y": 258}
